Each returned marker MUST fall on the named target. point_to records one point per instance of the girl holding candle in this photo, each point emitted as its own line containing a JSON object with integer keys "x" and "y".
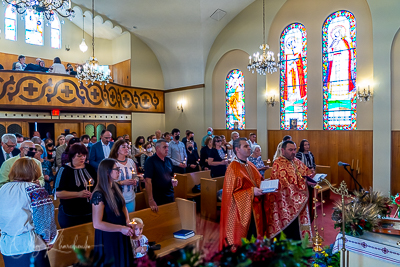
{"x": 140, "y": 243}
{"x": 128, "y": 173}
{"x": 110, "y": 217}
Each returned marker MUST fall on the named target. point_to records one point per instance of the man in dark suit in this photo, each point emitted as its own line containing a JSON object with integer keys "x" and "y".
{"x": 101, "y": 149}
{"x": 8, "y": 147}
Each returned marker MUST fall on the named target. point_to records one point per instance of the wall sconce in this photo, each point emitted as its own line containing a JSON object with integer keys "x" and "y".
{"x": 67, "y": 48}
{"x": 364, "y": 95}
{"x": 180, "y": 106}
{"x": 270, "y": 101}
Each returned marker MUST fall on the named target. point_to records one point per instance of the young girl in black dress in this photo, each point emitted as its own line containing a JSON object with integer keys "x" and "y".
{"x": 110, "y": 218}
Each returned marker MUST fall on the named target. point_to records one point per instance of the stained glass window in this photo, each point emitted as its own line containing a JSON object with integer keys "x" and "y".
{"x": 55, "y": 32}
{"x": 293, "y": 77}
{"x": 339, "y": 71}
{"x": 33, "y": 27}
{"x": 235, "y": 104}
{"x": 10, "y": 23}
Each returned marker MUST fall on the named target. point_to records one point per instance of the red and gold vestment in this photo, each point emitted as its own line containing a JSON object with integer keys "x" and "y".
{"x": 291, "y": 199}
{"x": 239, "y": 203}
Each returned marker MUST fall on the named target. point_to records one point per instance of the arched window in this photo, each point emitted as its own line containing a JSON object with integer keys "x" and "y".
{"x": 339, "y": 71}
{"x": 55, "y": 32}
{"x": 293, "y": 81}
{"x": 10, "y": 23}
{"x": 33, "y": 27}
{"x": 235, "y": 104}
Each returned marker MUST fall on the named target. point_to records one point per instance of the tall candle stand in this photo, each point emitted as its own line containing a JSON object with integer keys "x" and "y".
{"x": 317, "y": 240}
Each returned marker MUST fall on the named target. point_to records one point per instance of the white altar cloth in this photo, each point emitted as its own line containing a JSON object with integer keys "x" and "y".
{"x": 380, "y": 247}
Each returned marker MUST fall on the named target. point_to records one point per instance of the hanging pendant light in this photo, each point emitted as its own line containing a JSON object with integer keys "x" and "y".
{"x": 90, "y": 71}
{"x": 263, "y": 63}
{"x": 83, "y": 47}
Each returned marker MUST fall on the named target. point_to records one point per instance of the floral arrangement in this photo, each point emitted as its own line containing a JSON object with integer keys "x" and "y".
{"x": 325, "y": 258}
{"x": 396, "y": 201}
{"x": 252, "y": 253}
{"x": 362, "y": 213}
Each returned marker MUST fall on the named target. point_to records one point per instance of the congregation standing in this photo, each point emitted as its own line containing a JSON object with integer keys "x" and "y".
{"x": 97, "y": 181}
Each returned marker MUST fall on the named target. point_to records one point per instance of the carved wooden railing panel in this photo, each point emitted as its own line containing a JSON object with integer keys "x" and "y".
{"x": 54, "y": 91}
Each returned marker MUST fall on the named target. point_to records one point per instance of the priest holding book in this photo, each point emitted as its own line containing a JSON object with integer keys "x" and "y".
{"x": 242, "y": 198}
{"x": 287, "y": 210}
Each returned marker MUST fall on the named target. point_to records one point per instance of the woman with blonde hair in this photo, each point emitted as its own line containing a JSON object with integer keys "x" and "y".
{"x": 26, "y": 218}
{"x": 60, "y": 140}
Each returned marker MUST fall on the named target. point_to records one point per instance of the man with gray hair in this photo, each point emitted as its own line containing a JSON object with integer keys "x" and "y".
{"x": 60, "y": 150}
{"x": 27, "y": 150}
{"x": 241, "y": 207}
{"x": 8, "y": 147}
{"x": 159, "y": 177}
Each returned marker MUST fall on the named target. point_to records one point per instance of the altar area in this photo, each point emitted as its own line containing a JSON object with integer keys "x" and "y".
{"x": 371, "y": 250}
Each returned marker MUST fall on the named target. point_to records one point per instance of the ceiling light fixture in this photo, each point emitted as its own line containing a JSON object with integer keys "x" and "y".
{"x": 83, "y": 47}
{"x": 47, "y": 7}
{"x": 264, "y": 63}
{"x": 91, "y": 71}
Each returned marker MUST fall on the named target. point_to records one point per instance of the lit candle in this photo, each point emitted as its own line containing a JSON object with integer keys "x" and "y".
{"x": 174, "y": 179}
{"x": 268, "y": 161}
{"x": 133, "y": 222}
{"x": 133, "y": 172}
{"x": 226, "y": 156}
{"x": 184, "y": 161}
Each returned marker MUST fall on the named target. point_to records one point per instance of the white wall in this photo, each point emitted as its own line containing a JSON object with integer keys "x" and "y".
{"x": 145, "y": 69}
{"x": 121, "y": 48}
{"x": 146, "y": 124}
{"x": 192, "y": 116}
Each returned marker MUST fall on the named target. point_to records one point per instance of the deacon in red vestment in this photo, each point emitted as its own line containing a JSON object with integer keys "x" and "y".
{"x": 287, "y": 209}
{"x": 241, "y": 207}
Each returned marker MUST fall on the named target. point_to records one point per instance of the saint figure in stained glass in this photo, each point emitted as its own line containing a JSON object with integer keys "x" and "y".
{"x": 235, "y": 102}
{"x": 339, "y": 71}
{"x": 293, "y": 81}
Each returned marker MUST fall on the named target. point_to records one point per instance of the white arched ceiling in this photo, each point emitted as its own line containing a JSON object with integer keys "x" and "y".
{"x": 180, "y": 32}
{"x": 103, "y": 28}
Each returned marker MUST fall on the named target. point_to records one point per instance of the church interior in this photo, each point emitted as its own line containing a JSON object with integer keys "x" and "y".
{"x": 172, "y": 64}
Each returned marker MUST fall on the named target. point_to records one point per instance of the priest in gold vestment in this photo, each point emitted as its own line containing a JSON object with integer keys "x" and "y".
{"x": 241, "y": 207}
{"x": 287, "y": 209}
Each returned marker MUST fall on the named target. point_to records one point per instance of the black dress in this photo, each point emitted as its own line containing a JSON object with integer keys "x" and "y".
{"x": 112, "y": 246}
{"x": 74, "y": 211}
{"x": 192, "y": 159}
{"x": 204, "y": 153}
{"x": 219, "y": 170}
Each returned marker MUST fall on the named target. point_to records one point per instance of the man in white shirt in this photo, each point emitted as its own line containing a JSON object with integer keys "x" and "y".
{"x": 101, "y": 149}
{"x": 8, "y": 147}
{"x": 252, "y": 140}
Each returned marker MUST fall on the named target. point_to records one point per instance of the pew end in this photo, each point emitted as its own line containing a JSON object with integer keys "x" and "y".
{"x": 209, "y": 203}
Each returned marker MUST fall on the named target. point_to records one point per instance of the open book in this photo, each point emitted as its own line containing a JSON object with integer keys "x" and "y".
{"x": 268, "y": 186}
{"x": 319, "y": 176}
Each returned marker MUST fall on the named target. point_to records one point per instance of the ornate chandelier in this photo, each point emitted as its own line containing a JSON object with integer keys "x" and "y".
{"x": 264, "y": 63}
{"x": 47, "y": 7}
{"x": 91, "y": 71}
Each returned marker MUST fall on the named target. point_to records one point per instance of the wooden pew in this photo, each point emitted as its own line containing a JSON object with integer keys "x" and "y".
{"x": 141, "y": 202}
{"x": 159, "y": 227}
{"x": 325, "y": 187}
{"x": 187, "y": 181}
{"x": 82, "y": 236}
{"x": 209, "y": 203}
